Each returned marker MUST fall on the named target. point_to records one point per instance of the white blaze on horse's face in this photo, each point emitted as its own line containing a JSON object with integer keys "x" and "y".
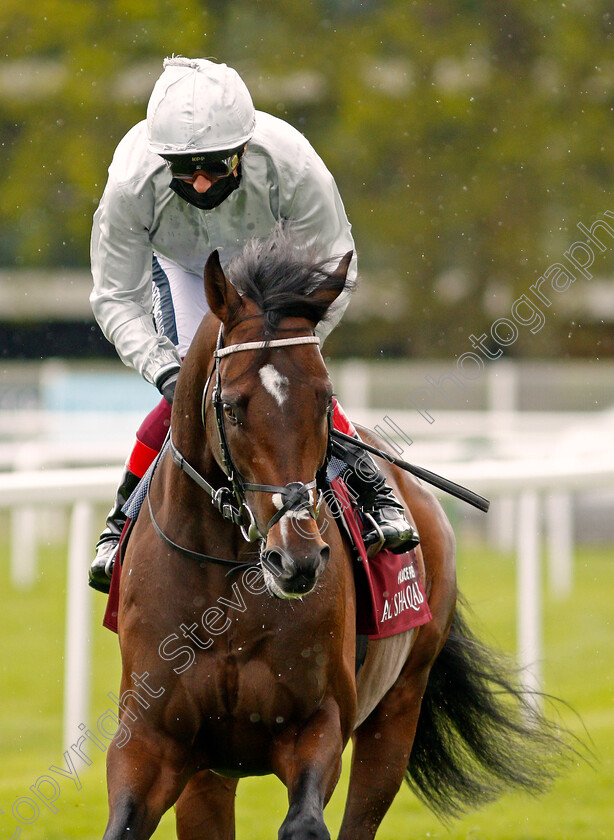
{"x": 275, "y": 383}
{"x": 290, "y": 516}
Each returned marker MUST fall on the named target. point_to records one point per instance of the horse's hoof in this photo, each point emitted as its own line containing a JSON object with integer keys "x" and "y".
{"x": 308, "y": 828}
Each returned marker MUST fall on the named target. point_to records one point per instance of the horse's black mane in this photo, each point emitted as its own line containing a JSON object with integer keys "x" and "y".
{"x": 280, "y": 275}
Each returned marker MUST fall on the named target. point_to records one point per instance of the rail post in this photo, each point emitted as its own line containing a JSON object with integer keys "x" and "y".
{"x": 77, "y": 639}
{"x": 528, "y": 604}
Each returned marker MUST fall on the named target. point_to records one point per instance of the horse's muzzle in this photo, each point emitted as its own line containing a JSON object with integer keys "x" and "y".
{"x": 293, "y": 576}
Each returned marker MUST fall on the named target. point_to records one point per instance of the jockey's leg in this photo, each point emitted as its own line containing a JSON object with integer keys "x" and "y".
{"x": 386, "y": 523}
{"x": 149, "y": 440}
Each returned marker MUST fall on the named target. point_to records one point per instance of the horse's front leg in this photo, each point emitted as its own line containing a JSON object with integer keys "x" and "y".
{"x": 206, "y": 808}
{"x": 309, "y": 764}
{"x": 145, "y": 776}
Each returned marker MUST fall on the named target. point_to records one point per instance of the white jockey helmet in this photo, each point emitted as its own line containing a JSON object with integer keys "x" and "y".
{"x": 198, "y": 106}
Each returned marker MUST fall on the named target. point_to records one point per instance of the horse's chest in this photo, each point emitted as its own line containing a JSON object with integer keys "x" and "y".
{"x": 245, "y": 703}
{"x": 254, "y": 689}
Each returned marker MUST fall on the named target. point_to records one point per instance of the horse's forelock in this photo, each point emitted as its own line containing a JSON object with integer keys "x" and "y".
{"x": 279, "y": 276}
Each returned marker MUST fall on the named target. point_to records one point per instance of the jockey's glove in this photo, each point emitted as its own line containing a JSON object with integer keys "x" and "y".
{"x": 166, "y": 383}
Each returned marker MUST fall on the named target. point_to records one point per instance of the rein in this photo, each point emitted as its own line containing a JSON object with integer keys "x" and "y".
{"x": 296, "y": 496}
{"x": 188, "y": 552}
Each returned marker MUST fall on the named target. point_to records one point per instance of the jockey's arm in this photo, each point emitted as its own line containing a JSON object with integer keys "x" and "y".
{"x": 121, "y": 259}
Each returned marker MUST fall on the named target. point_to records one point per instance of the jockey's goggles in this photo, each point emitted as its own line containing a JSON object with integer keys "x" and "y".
{"x": 216, "y": 166}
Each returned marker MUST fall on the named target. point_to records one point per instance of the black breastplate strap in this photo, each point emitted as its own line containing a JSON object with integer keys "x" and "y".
{"x": 222, "y": 498}
{"x": 188, "y": 552}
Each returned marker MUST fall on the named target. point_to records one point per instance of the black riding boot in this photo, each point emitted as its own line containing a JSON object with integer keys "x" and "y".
{"x": 386, "y": 523}
{"x": 106, "y": 547}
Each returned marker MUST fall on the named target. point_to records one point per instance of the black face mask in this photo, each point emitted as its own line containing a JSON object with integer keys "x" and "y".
{"x": 217, "y": 192}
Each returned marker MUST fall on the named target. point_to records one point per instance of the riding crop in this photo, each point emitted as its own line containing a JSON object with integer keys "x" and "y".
{"x": 439, "y": 481}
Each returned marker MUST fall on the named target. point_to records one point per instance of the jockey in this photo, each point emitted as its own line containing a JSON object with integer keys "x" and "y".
{"x": 207, "y": 171}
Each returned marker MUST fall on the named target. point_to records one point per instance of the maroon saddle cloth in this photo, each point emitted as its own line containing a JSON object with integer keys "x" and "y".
{"x": 390, "y": 596}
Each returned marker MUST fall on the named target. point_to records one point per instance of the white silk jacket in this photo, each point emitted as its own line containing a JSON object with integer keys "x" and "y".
{"x": 282, "y": 179}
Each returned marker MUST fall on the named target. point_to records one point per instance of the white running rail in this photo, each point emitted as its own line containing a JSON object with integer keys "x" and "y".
{"x": 537, "y": 486}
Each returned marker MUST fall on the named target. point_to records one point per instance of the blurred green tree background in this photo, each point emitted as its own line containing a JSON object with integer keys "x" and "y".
{"x": 468, "y": 139}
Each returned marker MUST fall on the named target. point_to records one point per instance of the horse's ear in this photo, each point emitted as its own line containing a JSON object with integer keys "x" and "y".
{"x": 328, "y": 292}
{"x": 222, "y": 297}
{"x": 341, "y": 272}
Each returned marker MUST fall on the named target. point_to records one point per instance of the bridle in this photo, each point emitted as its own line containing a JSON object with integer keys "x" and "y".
{"x": 231, "y": 502}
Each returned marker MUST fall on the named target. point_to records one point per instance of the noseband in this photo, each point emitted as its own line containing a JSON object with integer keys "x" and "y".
{"x": 296, "y": 496}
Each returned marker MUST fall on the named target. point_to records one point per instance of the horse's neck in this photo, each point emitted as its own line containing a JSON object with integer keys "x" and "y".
{"x": 187, "y": 418}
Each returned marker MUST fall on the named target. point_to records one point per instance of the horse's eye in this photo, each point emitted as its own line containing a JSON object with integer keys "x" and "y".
{"x": 229, "y": 413}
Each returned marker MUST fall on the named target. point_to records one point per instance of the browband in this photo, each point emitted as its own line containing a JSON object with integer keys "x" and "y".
{"x": 260, "y": 345}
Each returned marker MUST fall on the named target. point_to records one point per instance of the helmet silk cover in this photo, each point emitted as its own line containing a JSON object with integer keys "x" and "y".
{"x": 198, "y": 106}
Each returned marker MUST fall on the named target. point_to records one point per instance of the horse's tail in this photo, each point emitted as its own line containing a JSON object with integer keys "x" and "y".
{"x": 477, "y": 734}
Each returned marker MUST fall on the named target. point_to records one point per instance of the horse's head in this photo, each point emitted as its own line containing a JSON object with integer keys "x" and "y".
{"x": 270, "y": 407}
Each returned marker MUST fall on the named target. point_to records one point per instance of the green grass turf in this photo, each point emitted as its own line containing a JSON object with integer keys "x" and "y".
{"x": 578, "y": 666}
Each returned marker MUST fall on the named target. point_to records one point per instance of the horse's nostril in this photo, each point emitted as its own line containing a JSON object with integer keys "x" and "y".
{"x": 273, "y": 560}
{"x": 302, "y": 571}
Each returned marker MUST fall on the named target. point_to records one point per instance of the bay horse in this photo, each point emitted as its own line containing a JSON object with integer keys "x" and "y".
{"x": 237, "y": 627}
